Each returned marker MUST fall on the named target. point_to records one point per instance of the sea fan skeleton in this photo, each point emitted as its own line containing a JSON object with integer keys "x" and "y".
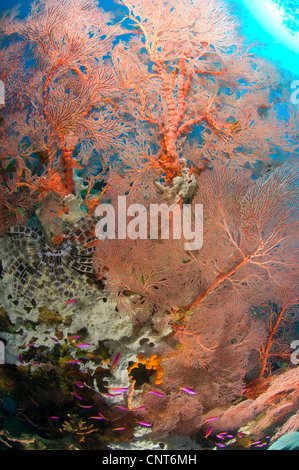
{"x": 33, "y": 262}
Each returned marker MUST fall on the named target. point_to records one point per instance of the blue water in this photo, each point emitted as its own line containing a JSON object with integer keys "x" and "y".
{"x": 273, "y": 48}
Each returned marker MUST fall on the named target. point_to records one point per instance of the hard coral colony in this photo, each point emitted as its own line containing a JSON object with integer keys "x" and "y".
{"x": 167, "y": 105}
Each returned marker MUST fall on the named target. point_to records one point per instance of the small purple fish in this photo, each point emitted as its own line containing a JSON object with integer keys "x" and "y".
{"x": 70, "y": 301}
{"x": 21, "y": 360}
{"x": 77, "y": 396}
{"x": 120, "y": 407}
{"x": 219, "y": 445}
{"x": 140, "y": 408}
{"x": 100, "y": 416}
{"x": 73, "y": 361}
{"x": 121, "y": 389}
{"x": 210, "y": 419}
{"x": 29, "y": 421}
{"x": 29, "y": 344}
{"x": 82, "y": 345}
{"x": 143, "y": 423}
{"x": 107, "y": 394}
{"x": 208, "y": 431}
{"x": 80, "y": 384}
{"x": 158, "y": 394}
{"x": 188, "y": 390}
{"x": 53, "y": 417}
{"x": 255, "y": 443}
{"x": 115, "y": 361}
{"x": 54, "y": 339}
